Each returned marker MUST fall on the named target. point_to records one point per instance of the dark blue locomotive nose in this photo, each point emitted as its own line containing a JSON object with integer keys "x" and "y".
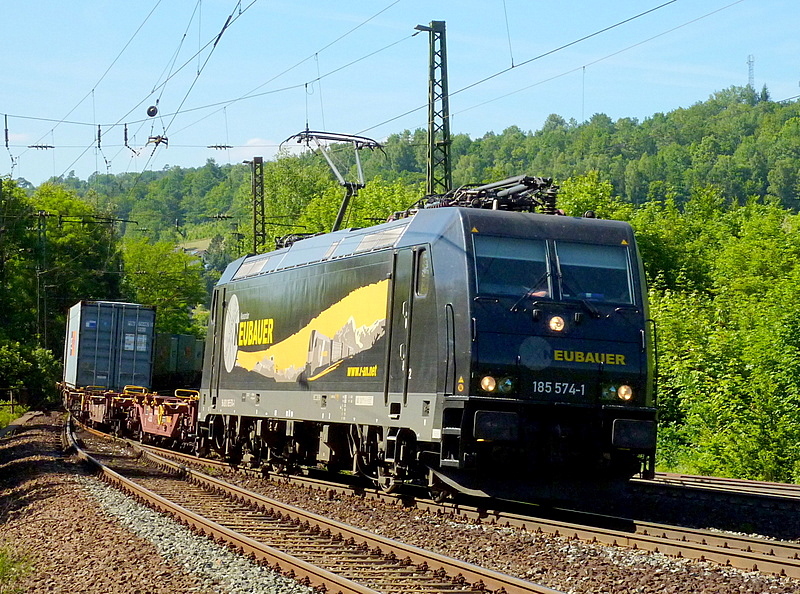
{"x": 561, "y": 382}
{"x": 571, "y": 365}
{"x": 558, "y": 310}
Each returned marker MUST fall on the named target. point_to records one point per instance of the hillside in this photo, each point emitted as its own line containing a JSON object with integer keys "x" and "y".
{"x": 711, "y": 190}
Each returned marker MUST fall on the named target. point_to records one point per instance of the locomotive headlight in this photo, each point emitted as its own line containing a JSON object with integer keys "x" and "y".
{"x": 505, "y": 385}
{"x": 488, "y": 383}
{"x": 625, "y": 392}
{"x": 556, "y": 323}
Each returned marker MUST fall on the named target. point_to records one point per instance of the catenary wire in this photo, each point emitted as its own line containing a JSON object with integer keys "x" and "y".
{"x": 478, "y": 82}
{"x": 231, "y": 19}
{"x": 598, "y": 60}
{"x": 119, "y": 55}
{"x": 525, "y": 62}
{"x": 251, "y": 94}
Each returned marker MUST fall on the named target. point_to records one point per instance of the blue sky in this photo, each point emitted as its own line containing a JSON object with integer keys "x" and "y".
{"x": 354, "y": 67}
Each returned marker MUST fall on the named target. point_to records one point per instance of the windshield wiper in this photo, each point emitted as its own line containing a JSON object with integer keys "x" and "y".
{"x": 627, "y": 308}
{"x": 591, "y": 308}
{"x": 531, "y": 292}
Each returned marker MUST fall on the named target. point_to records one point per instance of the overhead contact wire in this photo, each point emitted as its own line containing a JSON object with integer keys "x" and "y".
{"x": 528, "y": 61}
{"x": 119, "y": 55}
{"x": 606, "y": 57}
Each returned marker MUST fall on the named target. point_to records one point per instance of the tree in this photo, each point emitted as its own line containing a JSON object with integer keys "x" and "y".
{"x": 589, "y": 192}
{"x": 17, "y": 262}
{"x": 30, "y": 368}
{"x": 162, "y": 276}
{"x": 77, "y": 258}
{"x": 375, "y": 203}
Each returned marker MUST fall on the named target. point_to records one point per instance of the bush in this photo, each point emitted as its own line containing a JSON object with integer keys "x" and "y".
{"x": 32, "y": 370}
{"x": 13, "y": 566}
{"x": 6, "y": 415}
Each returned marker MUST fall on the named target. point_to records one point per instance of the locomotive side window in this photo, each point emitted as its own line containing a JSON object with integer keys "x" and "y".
{"x": 595, "y": 272}
{"x": 423, "y": 273}
{"x": 511, "y": 266}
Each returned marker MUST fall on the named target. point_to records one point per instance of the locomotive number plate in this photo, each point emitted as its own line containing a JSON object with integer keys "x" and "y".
{"x": 560, "y": 388}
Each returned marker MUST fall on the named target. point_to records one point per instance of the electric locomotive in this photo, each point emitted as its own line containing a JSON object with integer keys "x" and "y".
{"x": 472, "y": 345}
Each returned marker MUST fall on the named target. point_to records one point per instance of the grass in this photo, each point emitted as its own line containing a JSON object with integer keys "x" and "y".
{"x": 13, "y": 566}
{"x": 6, "y": 416}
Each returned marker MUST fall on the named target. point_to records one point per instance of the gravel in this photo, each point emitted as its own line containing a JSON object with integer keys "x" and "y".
{"x": 556, "y": 562}
{"x": 198, "y": 556}
{"x": 83, "y": 536}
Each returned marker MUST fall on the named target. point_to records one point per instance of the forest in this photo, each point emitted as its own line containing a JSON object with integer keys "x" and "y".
{"x": 711, "y": 190}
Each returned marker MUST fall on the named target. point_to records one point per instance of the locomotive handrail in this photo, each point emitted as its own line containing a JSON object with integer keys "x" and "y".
{"x": 652, "y": 322}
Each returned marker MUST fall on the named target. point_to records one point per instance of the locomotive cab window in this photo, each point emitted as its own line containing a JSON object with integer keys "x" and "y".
{"x": 594, "y": 272}
{"x": 511, "y": 266}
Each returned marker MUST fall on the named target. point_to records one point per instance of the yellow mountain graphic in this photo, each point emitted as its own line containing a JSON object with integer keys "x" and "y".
{"x": 364, "y": 309}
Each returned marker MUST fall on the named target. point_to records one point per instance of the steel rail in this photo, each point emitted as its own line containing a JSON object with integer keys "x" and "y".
{"x": 285, "y": 564}
{"x": 481, "y": 579}
{"x": 743, "y": 552}
{"x": 761, "y": 489}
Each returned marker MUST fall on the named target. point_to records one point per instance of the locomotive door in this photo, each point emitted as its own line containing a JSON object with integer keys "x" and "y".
{"x": 412, "y": 329}
{"x": 217, "y": 347}
{"x": 400, "y": 326}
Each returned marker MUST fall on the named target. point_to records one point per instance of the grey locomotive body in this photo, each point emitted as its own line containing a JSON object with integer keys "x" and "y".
{"x": 473, "y": 349}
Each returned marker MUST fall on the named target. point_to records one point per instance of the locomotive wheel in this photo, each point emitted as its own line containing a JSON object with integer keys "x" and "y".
{"x": 216, "y": 430}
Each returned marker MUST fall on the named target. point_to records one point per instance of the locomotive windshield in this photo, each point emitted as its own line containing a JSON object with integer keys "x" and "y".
{"x": 511, "y": 266}
{"x": 594, "y": 272}
{"x": 515, "y": 267}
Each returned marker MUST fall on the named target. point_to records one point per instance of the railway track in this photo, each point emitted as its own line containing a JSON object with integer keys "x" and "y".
{"x": 740, "y": 551}
{"x": 733, "y": 505}
{"x": 316, "y": 551}
{"x": 729, "y": 485}
{"x": 744, "y": 552}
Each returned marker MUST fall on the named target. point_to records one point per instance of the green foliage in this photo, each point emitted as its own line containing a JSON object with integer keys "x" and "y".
{"x": 737, "y": 140}
{"x": 589, "y": 192}
{"x": 14, "y": 565}
{"x": 290, "y": 184}
{"x": 729, "y": 389}
{"x": 165, "y": 277}
{"x": 17, "y": 258}
{"x": 79, "y": 259}
{"x": 7, "y": 416}
{"x": 55, "y": 249}
{"x": 374, "y": 204}
{"x": 30, "y": 368}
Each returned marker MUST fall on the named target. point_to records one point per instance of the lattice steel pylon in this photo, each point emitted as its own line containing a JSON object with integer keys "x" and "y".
{"x": 439, "y": 174}
{"x": 259, "y": 220}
